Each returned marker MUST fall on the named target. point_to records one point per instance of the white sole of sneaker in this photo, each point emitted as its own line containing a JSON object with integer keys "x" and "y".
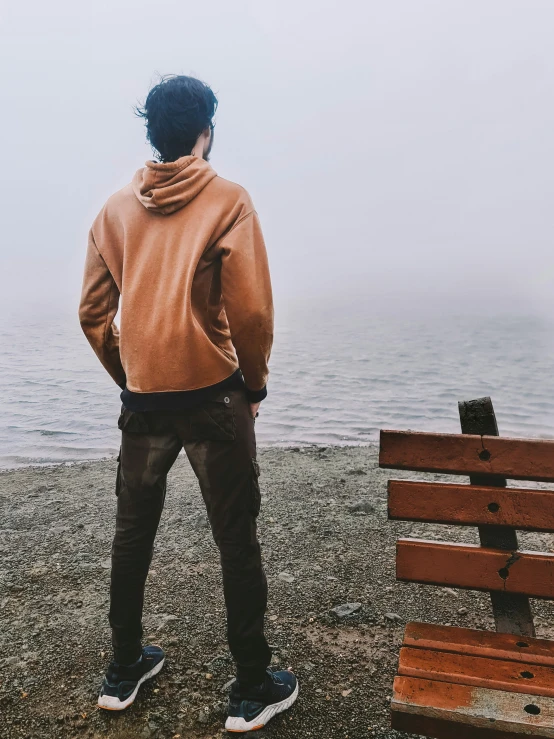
{"x": 239, "y": 725}
{"x": 111, "y": 703}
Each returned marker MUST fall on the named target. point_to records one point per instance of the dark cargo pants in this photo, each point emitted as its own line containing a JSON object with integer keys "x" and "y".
{"x": 219, "y": 440}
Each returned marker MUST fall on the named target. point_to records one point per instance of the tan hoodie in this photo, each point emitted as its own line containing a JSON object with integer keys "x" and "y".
{"x": 184, "y": 249}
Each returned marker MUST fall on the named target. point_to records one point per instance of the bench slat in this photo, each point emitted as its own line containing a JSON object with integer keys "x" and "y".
{"x": 479, "y": 643}
{"x": 466, "y": 454}
{"x": 413, "y": 723}
{"x": 451, "y": 711}
{"x": 471, "y": 505}
{"x": 482, "y": 672}
{"x": 475, "y": 568}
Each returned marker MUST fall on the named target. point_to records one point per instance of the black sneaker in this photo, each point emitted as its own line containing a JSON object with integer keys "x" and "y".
{"x": 121, "y": 684}
{"x": 251, "y": 708}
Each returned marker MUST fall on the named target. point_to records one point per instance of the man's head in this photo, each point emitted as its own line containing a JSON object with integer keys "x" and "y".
{"x": 178, "y": 111}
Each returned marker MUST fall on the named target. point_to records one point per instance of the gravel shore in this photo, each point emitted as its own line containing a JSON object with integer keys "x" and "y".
{"x": 326, "y": 542}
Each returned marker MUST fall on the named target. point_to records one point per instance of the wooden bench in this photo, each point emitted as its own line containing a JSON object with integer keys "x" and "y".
{"x": 456, "y": 683}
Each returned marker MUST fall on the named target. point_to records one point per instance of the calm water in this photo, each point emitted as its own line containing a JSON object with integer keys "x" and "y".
{"x": 333, "y": 382}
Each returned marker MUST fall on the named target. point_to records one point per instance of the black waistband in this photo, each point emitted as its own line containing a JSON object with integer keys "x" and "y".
{"x": 177, "y": 401}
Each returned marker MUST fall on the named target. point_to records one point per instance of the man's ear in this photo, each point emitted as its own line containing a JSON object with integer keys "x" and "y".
{"x": 201, "y": 143}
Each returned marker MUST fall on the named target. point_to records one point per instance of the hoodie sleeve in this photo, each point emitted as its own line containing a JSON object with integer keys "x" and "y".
{"x": 99, "y": 302}
{"x": 246, "y": 288}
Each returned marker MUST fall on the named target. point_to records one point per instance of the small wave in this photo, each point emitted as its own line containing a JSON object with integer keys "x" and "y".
{"x": 48, "y": 432}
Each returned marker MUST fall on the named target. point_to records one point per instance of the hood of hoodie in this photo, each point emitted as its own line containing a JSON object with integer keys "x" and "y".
{"x": 165, "y": 188}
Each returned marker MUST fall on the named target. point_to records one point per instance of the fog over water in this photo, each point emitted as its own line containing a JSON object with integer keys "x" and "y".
{"x": 390, "y": 147}
{"x": 399, "y": 154}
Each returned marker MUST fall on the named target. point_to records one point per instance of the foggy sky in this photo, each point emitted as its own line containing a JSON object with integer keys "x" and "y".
{"x": 399, "y": 151}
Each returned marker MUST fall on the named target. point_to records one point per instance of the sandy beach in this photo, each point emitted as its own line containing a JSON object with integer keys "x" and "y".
{"x": 326, "y": 542}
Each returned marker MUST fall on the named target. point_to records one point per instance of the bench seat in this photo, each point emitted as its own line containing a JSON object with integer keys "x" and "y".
{"x": 456, "y": 683}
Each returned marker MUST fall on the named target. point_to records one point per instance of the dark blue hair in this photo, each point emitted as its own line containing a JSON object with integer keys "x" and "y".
{"x": 176, "y": 112}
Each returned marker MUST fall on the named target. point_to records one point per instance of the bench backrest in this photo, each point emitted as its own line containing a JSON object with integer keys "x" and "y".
{"x": 497, "y": 566}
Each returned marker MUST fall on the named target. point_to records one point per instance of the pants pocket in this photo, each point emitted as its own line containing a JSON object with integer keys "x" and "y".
{"x": 118, "y": 475}
{"x": 133, "y": 422}
{"x": 214, "y": 421}
{"x": 256, "y": 495}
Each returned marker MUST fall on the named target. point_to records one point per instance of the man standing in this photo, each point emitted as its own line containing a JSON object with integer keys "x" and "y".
{"x": 184, "y": 249}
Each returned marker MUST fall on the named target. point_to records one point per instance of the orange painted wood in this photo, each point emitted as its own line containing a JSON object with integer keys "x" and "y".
{"x": 482, "y": 672}
{"x": 471, "y": 505}
{"x": 475, "y": 568}
{"x": 481, "y": 709}
{"x": 465, "y": 454}
{"x": 479, "y": 643}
